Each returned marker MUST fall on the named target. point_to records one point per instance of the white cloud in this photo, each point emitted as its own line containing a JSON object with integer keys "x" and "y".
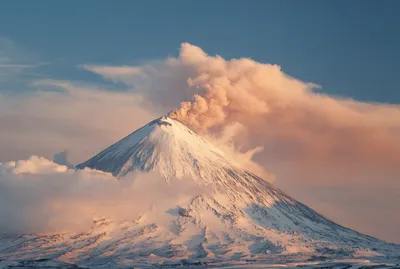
{"x": 39, "y": 196}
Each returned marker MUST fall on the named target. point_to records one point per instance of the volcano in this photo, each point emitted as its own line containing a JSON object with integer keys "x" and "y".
{"x": 241, "y": 218}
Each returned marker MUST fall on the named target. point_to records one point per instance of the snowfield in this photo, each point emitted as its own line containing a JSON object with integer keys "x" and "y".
{"x": 221, "y": 216}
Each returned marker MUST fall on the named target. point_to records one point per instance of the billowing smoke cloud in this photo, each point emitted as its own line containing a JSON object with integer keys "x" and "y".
{"x": 38, "y": 196}
{"x": 273, "y": 107}
{"x": 314, "y": 143}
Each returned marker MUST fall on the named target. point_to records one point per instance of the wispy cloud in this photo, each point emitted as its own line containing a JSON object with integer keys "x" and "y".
{"x": 11, "y": 66}
{"x": 17, "y": 67}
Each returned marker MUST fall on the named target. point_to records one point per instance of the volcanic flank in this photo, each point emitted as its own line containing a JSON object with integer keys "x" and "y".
{"x": 241, "y": 216}
{"x": 256, "y": 217}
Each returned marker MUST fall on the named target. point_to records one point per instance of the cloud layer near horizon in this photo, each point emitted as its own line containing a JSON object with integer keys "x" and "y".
{"x": 40, "y": 196}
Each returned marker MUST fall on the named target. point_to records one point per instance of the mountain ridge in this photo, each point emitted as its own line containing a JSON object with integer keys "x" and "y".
{"x": 222, "y": 171}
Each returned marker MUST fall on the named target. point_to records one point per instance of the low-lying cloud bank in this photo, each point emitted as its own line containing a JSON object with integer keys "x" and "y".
{"x": 40, "y": 196}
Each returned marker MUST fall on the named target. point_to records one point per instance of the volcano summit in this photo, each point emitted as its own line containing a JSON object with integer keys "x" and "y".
{"x": 241, "y": 217}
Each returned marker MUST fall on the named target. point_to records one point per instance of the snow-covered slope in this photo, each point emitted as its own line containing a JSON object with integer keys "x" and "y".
{"x": 166, "y": 145}
{"x": 240, "y": 217}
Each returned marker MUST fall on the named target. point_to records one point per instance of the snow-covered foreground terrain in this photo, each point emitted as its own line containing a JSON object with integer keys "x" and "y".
{"x": 273, "y": 262}
{"x": 227, "y": 217}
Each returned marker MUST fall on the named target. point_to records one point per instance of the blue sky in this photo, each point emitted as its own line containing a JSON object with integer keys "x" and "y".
{"x": 351, "y": 48}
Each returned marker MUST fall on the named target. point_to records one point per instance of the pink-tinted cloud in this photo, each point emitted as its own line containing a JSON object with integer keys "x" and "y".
{"x": 39, "y": 196}
{"x": 311, "y": 141}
